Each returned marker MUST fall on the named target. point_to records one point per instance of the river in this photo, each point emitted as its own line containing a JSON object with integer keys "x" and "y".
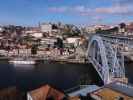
{"x": 60, "y": 75}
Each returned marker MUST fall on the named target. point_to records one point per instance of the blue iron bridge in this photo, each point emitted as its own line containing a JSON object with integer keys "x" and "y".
{"x": 105, "y": 53}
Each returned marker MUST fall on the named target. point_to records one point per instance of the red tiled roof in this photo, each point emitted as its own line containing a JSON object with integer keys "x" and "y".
{"x": 46, "y": 91}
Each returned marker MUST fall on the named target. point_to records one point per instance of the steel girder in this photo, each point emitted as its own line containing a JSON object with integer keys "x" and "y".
{"x": 106, "y": 59}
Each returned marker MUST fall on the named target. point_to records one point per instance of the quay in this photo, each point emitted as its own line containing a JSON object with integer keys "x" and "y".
{"x": 36, "y": 58}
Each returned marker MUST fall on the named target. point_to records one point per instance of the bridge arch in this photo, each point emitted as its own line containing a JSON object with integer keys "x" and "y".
{"x": 105, "y": 59}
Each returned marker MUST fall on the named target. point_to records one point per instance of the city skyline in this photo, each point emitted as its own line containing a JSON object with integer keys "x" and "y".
{"x": 79, "y": 12}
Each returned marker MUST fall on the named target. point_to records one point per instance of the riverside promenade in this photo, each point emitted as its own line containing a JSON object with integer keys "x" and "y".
{"x": 53, "y": 55}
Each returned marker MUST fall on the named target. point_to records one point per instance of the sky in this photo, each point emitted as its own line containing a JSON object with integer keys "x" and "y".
{"x": 78, "y": 12}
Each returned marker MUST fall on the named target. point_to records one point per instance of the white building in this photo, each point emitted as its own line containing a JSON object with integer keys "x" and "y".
{"x": 50, "y": 41}
{"x": 93, "y": 28}
{"x": 73, "y": 40}
{"x": 1, "y": 29}
{"x": 46, "y": 28}
{"x": 90, "y": 29}
{"x": 37, "y": 35}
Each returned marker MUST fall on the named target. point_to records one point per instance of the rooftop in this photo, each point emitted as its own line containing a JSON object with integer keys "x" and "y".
{"x": 122, "y": 88}
{"x": 45, "y": 92}
{"x": 115, "y": 89}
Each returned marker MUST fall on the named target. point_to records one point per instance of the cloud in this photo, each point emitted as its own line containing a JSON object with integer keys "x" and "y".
{"x": 86, "y": 11}
{"x": 115, "y": 10}
{"x": 62, "y": 9}
{"x": 58, "y": 9}
{"x": 123, "y": 2}
{"x": 82, "y": 10}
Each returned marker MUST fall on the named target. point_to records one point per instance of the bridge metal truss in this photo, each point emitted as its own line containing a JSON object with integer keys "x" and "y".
{"x": 119, "y": 40}
{"x": 104, "y": 54}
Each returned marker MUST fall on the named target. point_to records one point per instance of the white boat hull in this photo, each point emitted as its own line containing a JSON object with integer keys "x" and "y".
{"x": 22, "y": 62}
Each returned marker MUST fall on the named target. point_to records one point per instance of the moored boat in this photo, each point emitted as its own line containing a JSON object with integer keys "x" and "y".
{"x": 22, "y": 61}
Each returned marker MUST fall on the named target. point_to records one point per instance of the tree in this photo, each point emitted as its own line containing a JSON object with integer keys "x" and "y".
{"x": 34, "y": 49}
{"x": 122, "y": 25}
{"x": 71, "y": 30}
{"x": 54, "y": 26}
{"x": 98, "y": 31}
{"x": 59, "y": 43}
{"x": 76, "y": 31}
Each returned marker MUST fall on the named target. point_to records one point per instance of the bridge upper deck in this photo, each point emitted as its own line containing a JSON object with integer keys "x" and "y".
{"x": 118, "y": 39}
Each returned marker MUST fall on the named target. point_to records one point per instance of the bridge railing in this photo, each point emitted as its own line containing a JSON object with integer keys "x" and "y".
{"x": 118, "y": 40}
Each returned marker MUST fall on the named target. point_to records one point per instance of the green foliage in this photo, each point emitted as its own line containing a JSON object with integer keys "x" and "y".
{"x": 71, "y": 30}
{"x": 122, "y": 25}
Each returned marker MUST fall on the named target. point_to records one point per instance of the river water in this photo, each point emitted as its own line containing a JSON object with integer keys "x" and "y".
{"x": 60, "y": 75}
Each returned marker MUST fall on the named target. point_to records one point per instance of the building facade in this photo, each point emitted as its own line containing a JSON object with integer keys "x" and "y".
{"x": 46, "y": 28}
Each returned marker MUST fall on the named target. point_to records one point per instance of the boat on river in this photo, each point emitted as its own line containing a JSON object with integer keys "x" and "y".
{"x": 22, "y": 61}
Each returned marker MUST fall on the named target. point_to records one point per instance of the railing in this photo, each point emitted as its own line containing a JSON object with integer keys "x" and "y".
{"x": 128, "y": 85}
{"x": 72, "y": 89}
{"x": 78, "y": 87}
{"x": 118, "y": 40}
